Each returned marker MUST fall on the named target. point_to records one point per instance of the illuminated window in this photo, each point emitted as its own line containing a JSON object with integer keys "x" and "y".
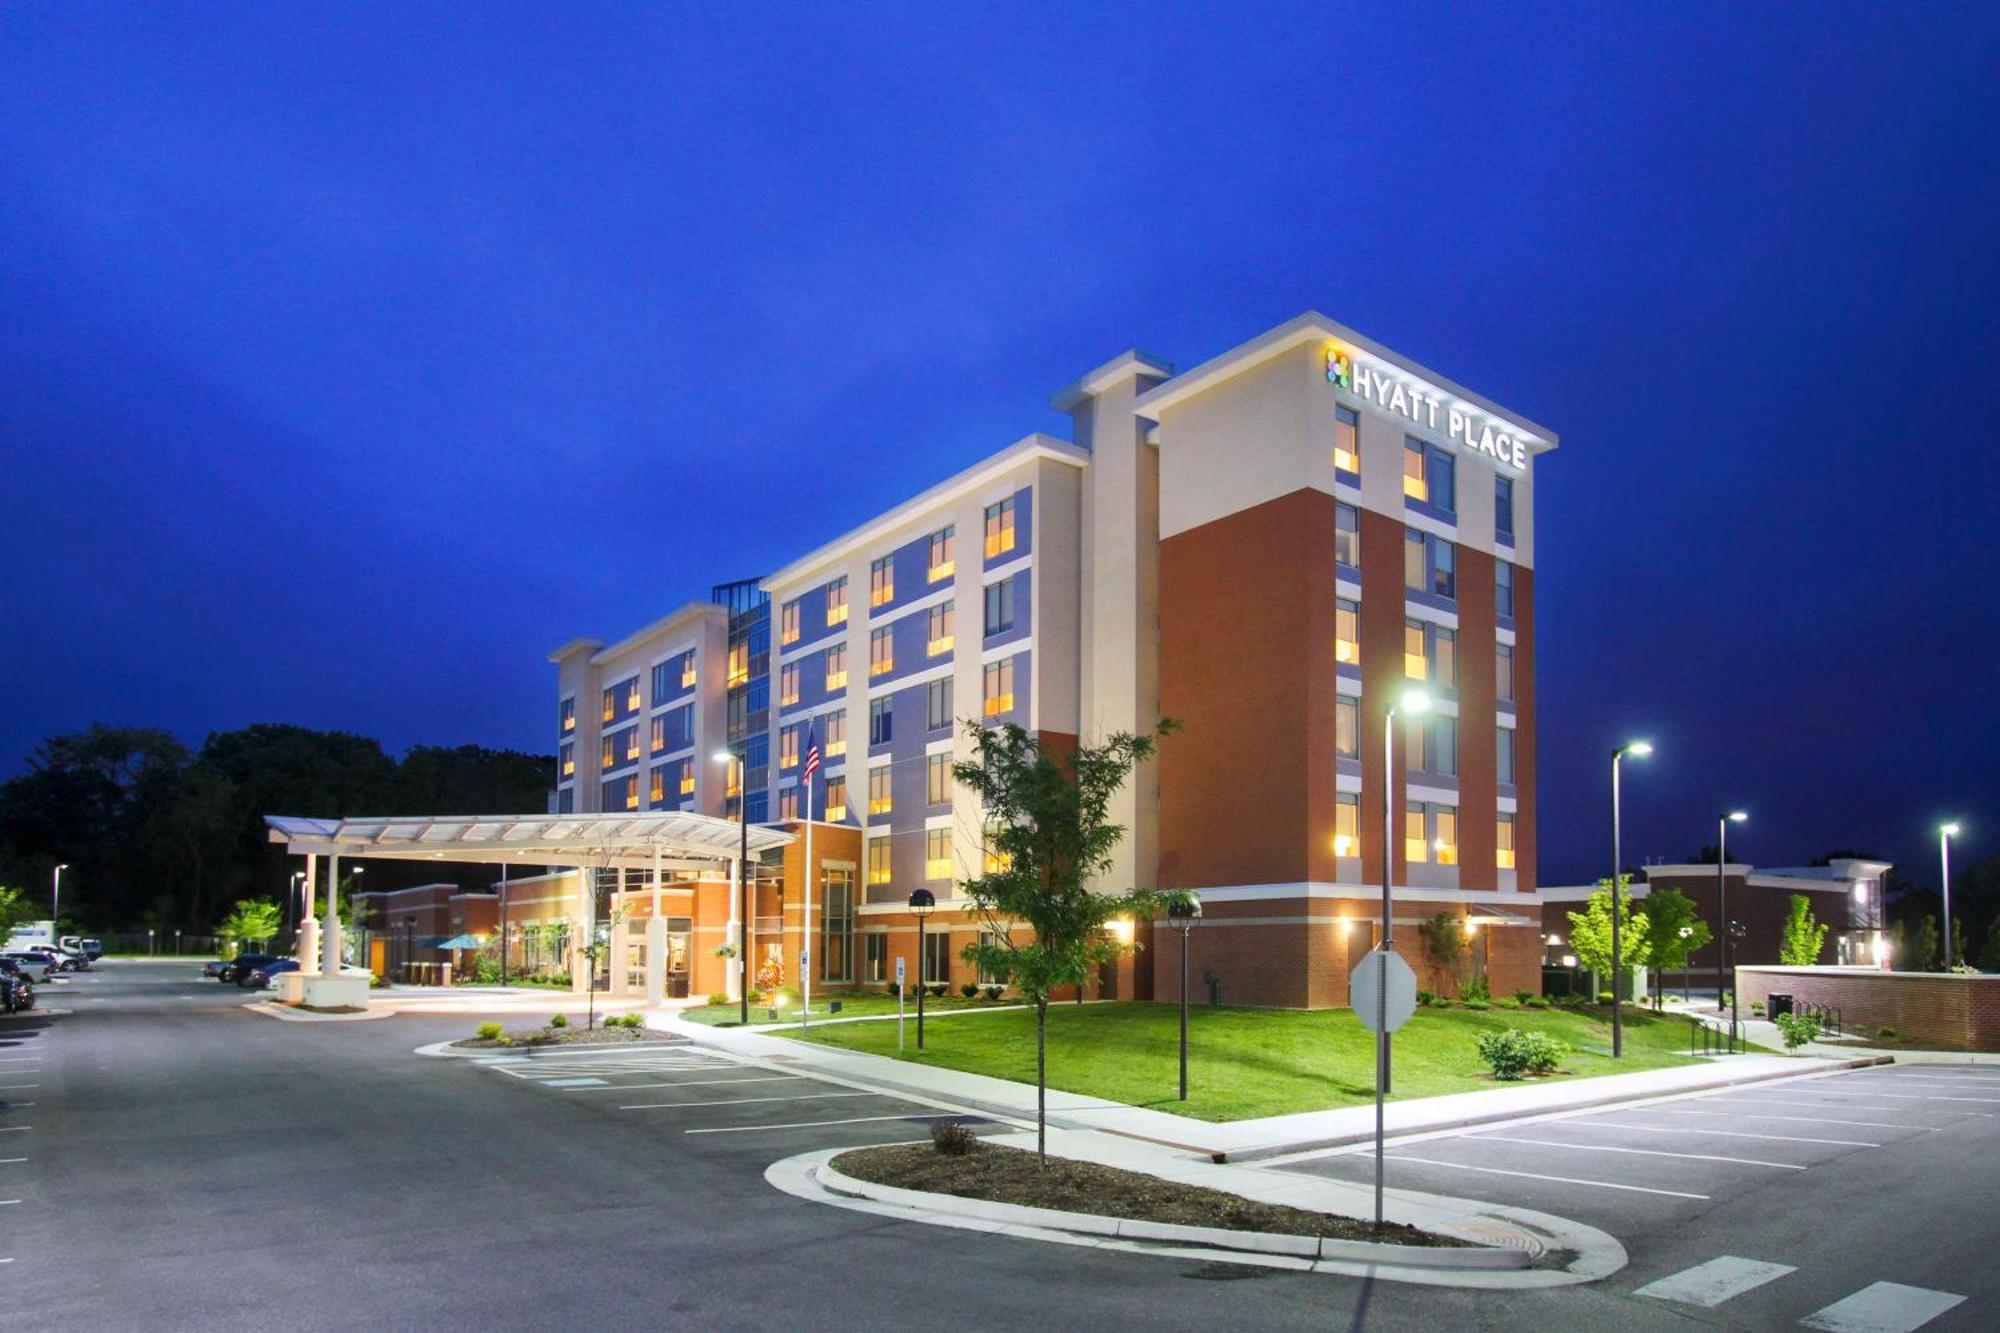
{"x": 836, "y": 667}
{"x": 1430, "y": 652}
{"x": 1347, "y": 726}
{"x": 632, "y": 792}
{"x": 880, "y": 798}
{"x": 1347, "y": 824}
{"x": 568, "y": 754}
{"x": 788, "y": 803}
{"x": 1346, "y": 630}
{"x": 836, "y": 601}
{"x": 878, "y": 860}
{"x": 608, "y": 752}
{"x": 1347, "y": 536}
{"x": 999, "y": 607}
{"x": 659, "y": 734}
{"x": 739, "y": 663}
{"x": 937, "y": 853}
{"x": 836, "y": 732}
{"x": 1429, "y": 475}
{"x": 881, "y": 720}
{"x": 1444, "y": 834}
{"x": 732, "y": 786}
{"x": 1000, "y": 528}
{"x": 568, "y": 715}
{"x": 836, "y": 800}
{"x": 998, "y": 680}
{"x": 993, "y": 859}
{"x": 788, "y": 684}
{"x": 1347, "y": 440}
{"x": 788, "y": 622}
{"x": 1416, "y": 666}
{"x": 631, "y": 743}
{"x": 657, "y": 785}
{"x": 1416, "y": 842}
{"x": 687, "y": 777}
{"x": 1503, "y": 671}
{"x": 1503, "y": 754}
{"x": 1503, "y": 841}
{"x": 881, "y": 651}
{"x": 788, "y": 746}
{"x": 939, "y": 630}
{"x": 943, "y": 545}
{"x": 882, "y": 581}
{"x": 610, "y": 704}
{"x": 1503, "y": 589}
{"x": 687, "y": 669}
{"x": 633, "y": 700}
{"x": 678, "y": 724}
{"x": 1415, "y": 485}
{"x": 937, "y": 705}
{"x": 1430, "y": 564}
{"x": 937, "y": 779}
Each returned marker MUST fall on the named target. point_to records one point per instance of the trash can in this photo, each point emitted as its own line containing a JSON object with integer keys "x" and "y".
{"x": 1777, "y": 1004}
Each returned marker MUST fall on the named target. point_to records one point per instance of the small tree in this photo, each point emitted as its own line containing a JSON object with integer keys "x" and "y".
{"x": 1925, "y": 958}
{"x": 1989, "y": 957}
{"x": 1799, "y": 946}
{"x": 1590, "y": 933}
{"x": 254, "y": 921}
{"x": 1669, "y": 913}
{"x": 14, "y": 909}
{"x": 1444, "y": 942}
{"x": 1049, "y": 838}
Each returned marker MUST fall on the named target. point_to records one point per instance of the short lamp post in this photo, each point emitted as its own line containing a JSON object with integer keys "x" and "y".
{"x": 1182, "y": 913}
{"x": 922, "y": 903}
{"x": 150, "y": 949}
{"x": 1946, "y": 832}
{"x": 1639, "y": 750}
{"x": 742, "y": 761}
{"x": 1725, "y": 975}
{"x": 1687, "y": 966}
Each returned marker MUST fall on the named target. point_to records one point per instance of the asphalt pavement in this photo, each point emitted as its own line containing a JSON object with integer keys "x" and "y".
{"x": 179, "y": 1162}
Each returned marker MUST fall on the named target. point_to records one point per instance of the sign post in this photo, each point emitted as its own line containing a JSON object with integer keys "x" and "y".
{"x": 900, "y": 990}
{"x": 805, "y": 972}
{"x": 1383, "y": 992}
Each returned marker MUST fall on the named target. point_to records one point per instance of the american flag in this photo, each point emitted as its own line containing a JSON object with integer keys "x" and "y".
{"x": 812, "y": 754}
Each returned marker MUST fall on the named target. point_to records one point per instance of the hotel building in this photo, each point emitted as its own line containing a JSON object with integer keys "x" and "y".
{"x": 1270, "y": 547}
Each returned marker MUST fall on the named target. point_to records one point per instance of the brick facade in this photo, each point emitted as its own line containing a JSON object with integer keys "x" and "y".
{"x": 1949, "y": 1010}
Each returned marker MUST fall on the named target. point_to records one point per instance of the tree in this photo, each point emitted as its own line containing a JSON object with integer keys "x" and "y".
{"x": 1989, "y": 957}
{"x": 254, "y": 921}
{"x": 1669, "y": 913}
{"x": 1590, "y": 932}
{"x": 1050, "y": 838}
{"x": 14, "y": 909}
{"x": 1926, "y": 955}
{"x": 1444, "y": 941}
{"x": 1799, "y": 945}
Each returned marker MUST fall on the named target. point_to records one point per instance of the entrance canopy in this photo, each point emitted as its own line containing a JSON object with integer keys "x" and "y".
{"x": 669, "y": 839}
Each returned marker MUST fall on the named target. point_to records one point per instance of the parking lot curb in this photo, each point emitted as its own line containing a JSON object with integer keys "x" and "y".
{"x": 272, "y": 1009}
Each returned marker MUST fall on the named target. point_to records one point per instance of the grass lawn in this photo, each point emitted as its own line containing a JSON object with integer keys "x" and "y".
{"x": 862, "y": 1004}
{"x": 1244, "y": 1063}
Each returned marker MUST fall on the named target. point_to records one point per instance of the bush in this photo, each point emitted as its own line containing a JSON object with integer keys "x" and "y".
{"x": 990, "y": 991}
{"x": 894, "y": 989}
{"x": 490, "y": 1031}
{"x": 953, "y": 1139}
{"x": 1506, "y": 1002}
{"x": 718, "y": 999}
{"x": 559, "y": 1021}
{"x": 633, "y": 1021}
{"x": 1424, "y": 999}
{"x": 1440, "y": 1002}
{"x": 1523, "y": 996}
{"x": 969, "y": 989}
{"x": 1536, "y": 1002}
{"x": 1604, "y": 997}
{"x": 1886, "y": 1034}
{"x": 937, "y": 990}
{"x": 1478, "y": 1004}
{"x": 1545, "y": 1053}
{"x": 1477, "y": 989}
{"x": 1756, "y": 1006}
{"x": 1505, "y": 1053}
{"x": 1798, "y": 1029}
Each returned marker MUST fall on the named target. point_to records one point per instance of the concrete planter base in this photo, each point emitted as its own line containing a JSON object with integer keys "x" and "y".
{"x": 346, "y": 991}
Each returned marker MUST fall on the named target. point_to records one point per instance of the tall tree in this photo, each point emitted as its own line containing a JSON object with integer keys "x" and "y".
{"x": 1669, "y": 913}
{"x": 1590, "y": 932}
{"x": 1803, "y": 936}
{"x": 1045, "y": 914}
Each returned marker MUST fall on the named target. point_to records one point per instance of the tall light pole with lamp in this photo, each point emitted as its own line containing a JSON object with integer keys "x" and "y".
{"x": 1725, "y": 975}
{"x": 55, "y": 902}
{"x": 1638, "y": 750}
{"x": 922, "y": 903}
{"x": 1409, "y": 703}
{"x": 741, "y": 759}
{"x": 1946, "y": 832}
{"x": 1182, "y": 914}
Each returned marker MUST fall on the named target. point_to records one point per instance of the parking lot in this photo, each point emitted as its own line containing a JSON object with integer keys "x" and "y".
{"x": 23, "y": 1038}
{"x": 1795, "y": 1176}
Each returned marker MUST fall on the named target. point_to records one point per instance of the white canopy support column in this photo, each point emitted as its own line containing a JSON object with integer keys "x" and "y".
{"x": 732, "y": 982}
{"x": 309, "y": 923}
{"x": 586, "y": 924}
{"x": 329, "y": 960}
{"x": 656, "y": 941}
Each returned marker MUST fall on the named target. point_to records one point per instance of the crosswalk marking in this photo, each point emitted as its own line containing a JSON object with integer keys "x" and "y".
{"x": 1883, "y": 1307}
{"x": 1709, "y": 1285}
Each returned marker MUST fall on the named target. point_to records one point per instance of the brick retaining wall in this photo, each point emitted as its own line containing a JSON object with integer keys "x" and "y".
{"x": 1954, "y": 1012}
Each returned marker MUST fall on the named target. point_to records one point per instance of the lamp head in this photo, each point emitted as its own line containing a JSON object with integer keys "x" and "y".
{"x": 922, "y": 903}
{"x": 723, "y": 757}
{"x": 1183, "y": 912}
{"x": 1737, "y": 816}
{"x": 1949, "y": 830}
{"x": 1637, "y": 749}
{"x": 1415, "y": 701}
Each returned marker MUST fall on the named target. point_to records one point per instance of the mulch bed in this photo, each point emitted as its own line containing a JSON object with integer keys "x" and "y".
{"x": 538, "y": 1037}
{"x": 1009, "y": 1175}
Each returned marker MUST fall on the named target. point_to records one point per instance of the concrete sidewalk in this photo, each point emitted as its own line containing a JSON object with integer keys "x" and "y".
{"x": 1247, "y": 1140}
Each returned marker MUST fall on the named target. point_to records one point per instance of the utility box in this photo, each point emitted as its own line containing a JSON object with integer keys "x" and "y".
{"x": 1775, "y": 1004}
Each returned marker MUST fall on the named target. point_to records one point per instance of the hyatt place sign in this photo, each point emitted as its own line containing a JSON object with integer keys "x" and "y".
{"x": 1461, "y": 425}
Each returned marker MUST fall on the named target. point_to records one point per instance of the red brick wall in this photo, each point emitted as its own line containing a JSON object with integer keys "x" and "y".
{"x": 1958, "y": 1013}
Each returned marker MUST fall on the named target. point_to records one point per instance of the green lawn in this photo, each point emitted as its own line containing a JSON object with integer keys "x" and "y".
{"x": 1256, "y": 1062}
{"x": 861, "y": 1004}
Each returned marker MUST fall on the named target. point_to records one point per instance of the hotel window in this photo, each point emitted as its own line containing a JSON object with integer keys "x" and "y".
{"x": 1347, "y": 727}
{"x": 658, "y": 736}
{"x": 1346, "y": 631}
{"x": 631, "y": 735}
{"x": 664, "y": 674}
{"x": 1000, "y": 528}
{"x": 836, "y": 800}
{"x": 1429, "y": 475}
{"x": 610, "y": 703}
{"x": 1347, "y": 824}
{"x": 881, "y": 651}
{"x": 999, "y": 607}
{"x": 657, "y": 786}
{"x": 1430, "y": 564}
{"x": 937, "y": 957}
{"x": 788, "y": 684}
{"x": 1347, "y": 440}
{"x": 1430, "y": 652}
{"x": 836, "y": 667}
{"x": 880, "y": 799}
{"x": 686, "y": 767}
{"x": 1347, "y": 536}
{"x": 1503, "y": 841}
{"x": 875, "y": 957}
{"x": 687, "y": 669}
{"x": 629, "y": 793}
{"x": 1415, "y": 484}
{"x": 607, "y": 753}
{"x": 679, "y": 727}
{"x": 878, "y": 860}
{"x": 881, "y": 721}
{"x": 937, "y": 705}
{"x": 1444, "y": 834}
{"x": 837, "y": 932}
{"x": 739, "y": 663}
{"x": 836, "y": 732}
{"x": 991, "y": 856}
{"x": 1503, "y": 508}
{"x": 941, "y": 562}
{"x": 788, "y": 622}
{"x": 999, "y": 688}
{"x": 1503, "y": 589}
{"x": 788, "y": 803}
{"x": 732, "y": 784}
{"x": 836, "y": 601}
{"x": 937, "y": 779}
{"x": 882, "y": 580}
{"x": 566, "y": 801}
{"x": 1416, "y": 665}
{"x": 788, "y": 746}
{"x": 1440, "y": 748}
{"x": 568, "y": 716}
{"x": 938, "y": 630}
{"x": 937, "y": 853}
{"x": 567, "y": 752}
{"x": 1503, "y": 671}
{"x": 1503, "y": 754}
{"x": 1416, "y": 842}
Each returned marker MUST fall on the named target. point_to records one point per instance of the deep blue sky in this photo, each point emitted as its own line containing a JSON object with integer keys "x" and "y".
{"x": 352, "y": 358}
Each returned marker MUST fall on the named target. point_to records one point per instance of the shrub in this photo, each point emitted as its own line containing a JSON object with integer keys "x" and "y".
{"x": 1440, "y": 1002}
{"x": 490, "y": 1031}
{"x": 1798, "y": 1029}
{"x": 1505, "y": 1053}
{"x": 1604, "y": 997}
{"x": 718, "y": 999}
{"x": 953, "y": 1139}
{"x": 1477, "y": 989}
{"x": 1506, "y": 1002}
{"x": 1756, "y": 1006}
{"x": 1536, "y": 1002}
{"x": 633, "y": 1021}
{"x": 1886, "y": 1034}
{"x": 1478, "y": 1004}
{"x": 990, "y": 991}
{"x": 895, "y": 989}
{"x": 1424, "y": 998}
{"x": 969, "y": 989}
{"x": 937, "y": 990}
{"x": 559, "y": 1021}
{"x": 1544, "y": 1053}
{"x": 1523, "y": 996}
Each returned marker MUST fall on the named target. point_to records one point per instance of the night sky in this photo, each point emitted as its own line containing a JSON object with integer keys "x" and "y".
{"x": 352, "y": 358}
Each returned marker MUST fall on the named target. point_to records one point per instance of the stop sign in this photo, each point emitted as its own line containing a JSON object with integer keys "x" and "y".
{"x": 1383, "y": 991}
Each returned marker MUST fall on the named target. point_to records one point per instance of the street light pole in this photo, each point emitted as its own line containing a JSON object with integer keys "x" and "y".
{"x": 1412, "y": 701}
{"x": 922, "y": 903}
{"x": 55, "y": 903}
{"x": 1182, "y": 914}
{"x": 1641, "y": 749}
{"x": 1725, "y": 974}
{"x": 1946, "y": 832}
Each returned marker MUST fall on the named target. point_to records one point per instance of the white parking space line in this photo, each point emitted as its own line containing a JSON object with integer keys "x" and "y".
{"x": 1642, "y": 1152}
{"x": 1709, "y": 1285}
{"x": 1906, "y": 1096}
{"x": 15, "y": 1129}
{"x": 1883, "y": 1307}
{"x": 815, "y": 1124}
{"x": 1725, "y": 1133}
{"x": 1900, "y": 1077}
{"x": 745, "y": 1101}
{"x": 17, "y": 1087}
{"x": 688, "y": 1083}
{"x": 9, "y": 1161}
{"x": 584, "y": 1082}
{"x": 1801, "y": 1119}
{"x": 1788, "y": 1101}
{"x": 1561, "y": 1180}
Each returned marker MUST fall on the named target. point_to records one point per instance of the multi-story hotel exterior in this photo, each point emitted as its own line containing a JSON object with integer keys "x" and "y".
{"x": 1269, "y": 547}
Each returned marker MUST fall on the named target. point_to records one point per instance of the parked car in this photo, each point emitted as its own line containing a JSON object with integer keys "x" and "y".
{"x": 259, "y": 977}
{"x": 235, "y": 968}
{"x": 17, "y": 989}
{"x": 93, "y": 949}
{"x": 35, "y": 964}
{"x": 214, "y": 968}
{"x": 64, "y": 960}
{"x": 88, "y": 950}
